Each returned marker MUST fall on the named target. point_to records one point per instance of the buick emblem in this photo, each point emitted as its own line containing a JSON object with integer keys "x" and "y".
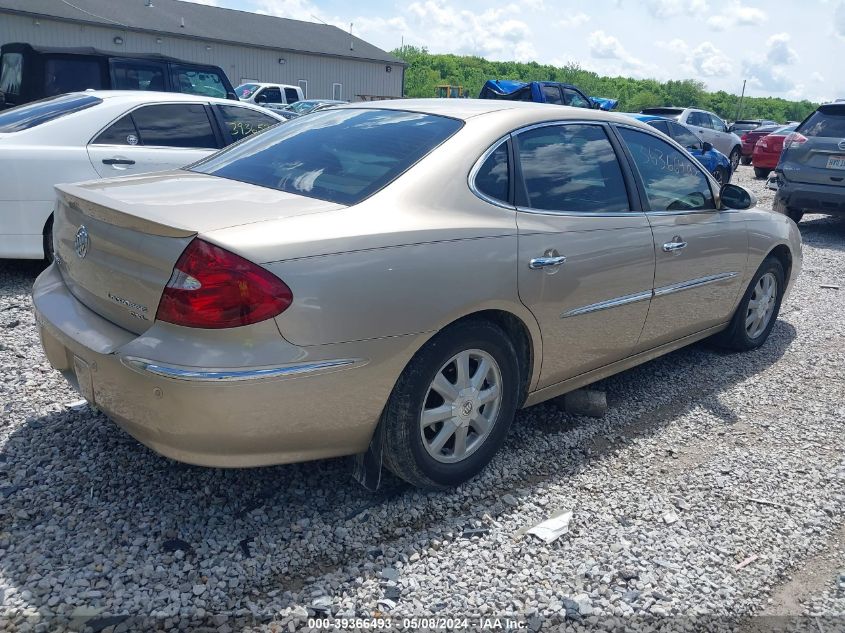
{"x": 82, "y": 242}
{"x": 467, "y": 408}
{"x": 842, "y": 144}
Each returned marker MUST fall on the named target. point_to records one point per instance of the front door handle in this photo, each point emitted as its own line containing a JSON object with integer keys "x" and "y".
{"x": 546, "y": 262}
{"x": 675, "y": 245}
{"x": 118, "y": 161}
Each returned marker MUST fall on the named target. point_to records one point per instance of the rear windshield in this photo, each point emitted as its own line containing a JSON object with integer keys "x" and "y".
{"x": 829, "y": 121}
{"x": 669, "y": 113}
{"x": 341, "y": 156}
{"x": 34, "y": 114}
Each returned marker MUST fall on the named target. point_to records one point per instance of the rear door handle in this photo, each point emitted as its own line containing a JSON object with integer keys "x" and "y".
{"x": 671, "y": 247}
{"x": 546, "y": 262}
{"x": 118, "y": 161}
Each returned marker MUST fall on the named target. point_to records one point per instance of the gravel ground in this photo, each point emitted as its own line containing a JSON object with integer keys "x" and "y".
{"x": 714, "y": 487}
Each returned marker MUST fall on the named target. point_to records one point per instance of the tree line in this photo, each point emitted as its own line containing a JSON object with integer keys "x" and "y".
{"x": 426, "y": 71}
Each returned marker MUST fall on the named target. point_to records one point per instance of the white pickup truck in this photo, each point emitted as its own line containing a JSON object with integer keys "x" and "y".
{"x": 269, "y": 95}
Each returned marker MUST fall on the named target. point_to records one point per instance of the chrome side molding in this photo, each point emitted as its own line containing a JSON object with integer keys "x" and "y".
{"x": 692, "y": 283}
{"x": 235, "y": 375}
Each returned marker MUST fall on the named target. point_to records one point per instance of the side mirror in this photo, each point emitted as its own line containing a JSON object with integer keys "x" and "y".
{"x": 706, "y": 147}
{"x": 260, "y": 99}
{"x": 735, "y": 197}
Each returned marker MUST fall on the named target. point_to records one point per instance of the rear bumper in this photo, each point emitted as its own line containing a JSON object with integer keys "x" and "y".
{"x": 310, "y": 403}
{"x": 811, "y": 198}
{"x": 766, "y": 160}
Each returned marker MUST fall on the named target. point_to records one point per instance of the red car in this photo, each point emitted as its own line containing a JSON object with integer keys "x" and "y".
{"x": 749, "y": 140}
{"x": 767, "y": 150}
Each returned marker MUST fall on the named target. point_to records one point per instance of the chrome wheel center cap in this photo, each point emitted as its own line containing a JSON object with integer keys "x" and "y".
{"x": 466, "y": 406}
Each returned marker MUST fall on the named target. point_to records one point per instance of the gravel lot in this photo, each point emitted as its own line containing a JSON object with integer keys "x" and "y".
{"x": 714, "y": 486}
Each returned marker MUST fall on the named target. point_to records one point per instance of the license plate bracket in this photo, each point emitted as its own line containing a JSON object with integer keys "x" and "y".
{"x": 836, "y": 162}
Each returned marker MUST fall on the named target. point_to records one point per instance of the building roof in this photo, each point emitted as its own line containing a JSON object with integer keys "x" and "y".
{"x": 167, "y": 17}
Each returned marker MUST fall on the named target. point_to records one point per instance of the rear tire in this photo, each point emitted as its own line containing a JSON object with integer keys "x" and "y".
{"x": 745, "y": 160}
{"x": 757, "y": 311}
{"x": 761, "y": 172}
{"x": 794, "y": 214}
{"x": 736, "y": 153}
{"x": 426, "y": 432}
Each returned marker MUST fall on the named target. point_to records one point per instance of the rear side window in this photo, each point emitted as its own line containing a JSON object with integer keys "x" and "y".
{"x": 197, "y": 82}
{"x": 493, "y": 177}
{"x": 242, "y": 122}
{"x": 671, "y": 179}
{"x": 341, "y": 156}
{"x": 291, "y": 95}
{"x": 660, "y": 126}
{"x": 67, "y": 74}
{"x": 826, "y": 122}
{"x": 700, "y": 119}
{"x": 552, "y": 95}
{"x": 175, "y": 125}
{"x": 33, "y": 114}
{"x": 684, "y": 137}
{"x": 11, "y": 73}
{"x": 571, "y": 168}
{"x": 137, "y": 75}
{"x": 121, "y": 132}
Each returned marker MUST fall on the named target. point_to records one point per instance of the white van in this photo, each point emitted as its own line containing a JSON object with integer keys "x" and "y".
{"x": 269, "y": 95}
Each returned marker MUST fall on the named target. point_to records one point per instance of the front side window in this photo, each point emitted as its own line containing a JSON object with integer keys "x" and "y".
{"x": 493, "y": 177}
{"x": 137, "y": 75}
{"x": 175, "y": 125}
{"x": 699, "y": 119}
{"x": 68, "y": 74}
{"x": 575, "y": 99}
{"x": 684, "y": 137}
{"x": 121, "y": 132}
{"x": 341, "y": 156}
{"x": 716, "y": 123}
{"x": 241, "y": 122}
{"x": 571, "y": 168}
{"x": 672, "y": 181}
{"x": 197, "y": 82}
{"x": 552, "y": 95}
{"x": 269, "y": 95}
{"x": 11, "y": 73}
{"x": 33, "y": 114}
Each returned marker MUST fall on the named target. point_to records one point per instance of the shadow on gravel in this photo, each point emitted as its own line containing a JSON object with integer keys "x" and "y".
{"x": 824, "y": 231}
{"x": 17, "y": 275}
{"x": 89, "y": 517}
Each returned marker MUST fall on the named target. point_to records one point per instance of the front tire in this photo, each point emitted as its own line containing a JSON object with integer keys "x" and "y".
{"x": 760, "y": 172}
{"x": 757, "y": 312}
{"x": 722, "y": 175}
{"x": 451, "y": 408}
{"x": 736, "y": 153}
{"x": 794, "y": 214}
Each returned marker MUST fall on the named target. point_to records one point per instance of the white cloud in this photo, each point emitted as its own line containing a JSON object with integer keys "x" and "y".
{"x": 705, "y": 60}
{"x": 839, "y": 20}
{"x": 574, "y": 20}
{"x": 671, "y": 8}
{"x": 736, "y": 14}
{"x": 779, "y": 51}
{"x": 295, "y": 9}
{"x": 817, "y": 77}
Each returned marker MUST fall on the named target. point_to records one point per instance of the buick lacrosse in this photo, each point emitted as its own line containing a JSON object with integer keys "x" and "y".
{"x": 423, "y": 268}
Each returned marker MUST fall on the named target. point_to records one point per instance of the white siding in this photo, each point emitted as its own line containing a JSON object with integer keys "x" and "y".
{"x": 237, "y": 61}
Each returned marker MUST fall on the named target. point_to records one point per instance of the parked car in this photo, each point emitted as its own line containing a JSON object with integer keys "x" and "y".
{"x": 811, "y": 170}
{"x": 306, "y": 107}
{"x": 712, "y": 159}
{"x": 768, "y": 149}
{"x": 708, "y": 127}
{"x": 29, "y": 73}
{"x": 273, "y": 96}
{"x": 392, "y": 265}
{"x": 101, "y": 134}
{"x": 749, "y": 141}
{"x": 746, "y": 125}
{"x": 542, "y": 92}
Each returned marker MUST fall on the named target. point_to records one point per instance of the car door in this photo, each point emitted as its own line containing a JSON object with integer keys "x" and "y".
{"x": 154, "y": 137}
{"x": 572, "y": 97}
{"x": 551, "y": 94}
{"x": 700, "y": 251}
{"x": 722, "y": 139}
{"x": 269, "y": 96}
{"x": 701, "y": 124}
{"x": 586, "y": 254}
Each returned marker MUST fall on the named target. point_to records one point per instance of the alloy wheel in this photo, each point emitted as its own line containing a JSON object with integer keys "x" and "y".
{"x": 461, "y": 406}
{"x": 761, "y": 306}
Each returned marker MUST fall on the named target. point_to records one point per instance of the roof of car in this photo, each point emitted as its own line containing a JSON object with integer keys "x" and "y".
{"x": 646, "y": 117}
{"x": 146, "y": 96}
{"x": 469, "y": 108}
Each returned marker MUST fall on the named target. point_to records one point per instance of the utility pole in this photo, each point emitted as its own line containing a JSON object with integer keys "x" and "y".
{"x": 739, "y": 107}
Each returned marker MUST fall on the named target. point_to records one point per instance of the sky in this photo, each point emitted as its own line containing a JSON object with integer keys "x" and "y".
{"x": 783, "y": 48}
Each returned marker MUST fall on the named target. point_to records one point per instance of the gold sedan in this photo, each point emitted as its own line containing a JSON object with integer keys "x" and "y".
{"x": 409, "y": 271}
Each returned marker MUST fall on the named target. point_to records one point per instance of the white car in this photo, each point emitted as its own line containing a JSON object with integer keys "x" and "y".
{"x": 101, "y": 134}
{"x": 269, "y": 95}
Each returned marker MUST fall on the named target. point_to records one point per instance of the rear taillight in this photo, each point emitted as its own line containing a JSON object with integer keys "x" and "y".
{"x": 794, "y": 138}
{"x": 763, "y": 142}
{"x": 744, "y": 138}
{"x": 213, "y": 288}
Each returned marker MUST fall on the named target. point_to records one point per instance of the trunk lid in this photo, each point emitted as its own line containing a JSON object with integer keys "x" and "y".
{"x": 117, "y": 241}
{"x": 821, "y": 158}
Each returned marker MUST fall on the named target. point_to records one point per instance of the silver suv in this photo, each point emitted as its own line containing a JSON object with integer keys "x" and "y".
{"x": 811, "y": 172}
{"x": 708, "y": 127}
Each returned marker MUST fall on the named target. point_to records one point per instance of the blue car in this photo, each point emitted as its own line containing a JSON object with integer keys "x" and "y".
{"x": 713, "y": 160}
{"x": 543, "y": 92}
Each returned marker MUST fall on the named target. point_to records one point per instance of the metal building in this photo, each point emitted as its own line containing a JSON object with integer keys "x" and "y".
{"x": 327, "y": 62}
